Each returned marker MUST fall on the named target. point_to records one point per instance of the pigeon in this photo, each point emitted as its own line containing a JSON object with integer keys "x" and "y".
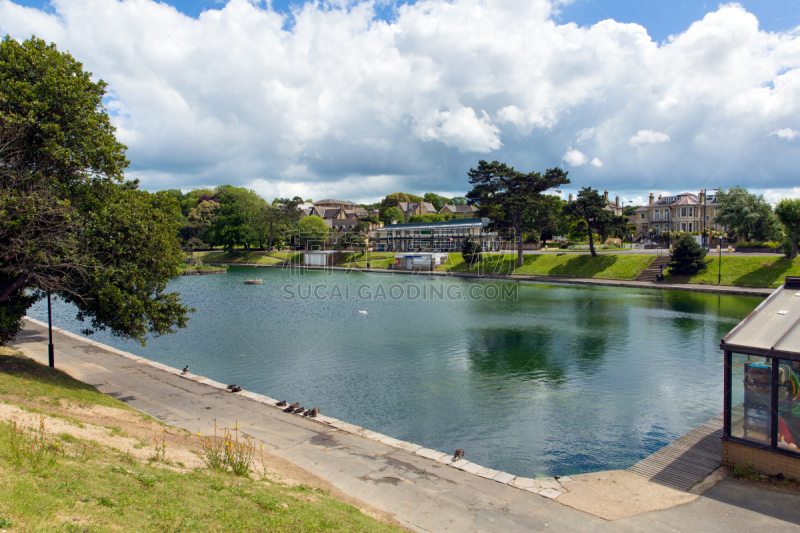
{"x": 186, "y": 369}
{"x": 458, "y": 454}
{"x": 312, "y": 412}
{"x": 281, "y": 403}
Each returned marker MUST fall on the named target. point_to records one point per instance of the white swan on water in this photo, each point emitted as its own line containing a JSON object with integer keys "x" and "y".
{"x": 364, "y": 312}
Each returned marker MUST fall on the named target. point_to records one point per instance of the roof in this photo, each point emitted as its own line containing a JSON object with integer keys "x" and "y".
{"x": 335, "y": 202}
{"x": 461, "y": 208}
{"x": 456, "y": 222}
{"x": 773, "y": 328}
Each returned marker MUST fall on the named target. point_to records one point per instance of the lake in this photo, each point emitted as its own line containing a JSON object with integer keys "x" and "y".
{"x": 531, "y": 379}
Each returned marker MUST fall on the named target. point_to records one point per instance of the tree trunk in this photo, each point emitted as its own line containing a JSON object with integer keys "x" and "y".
{"x": 591, "y": 239}
{"x": 795, "y": 235}
{"x": 9, "y": 288}
{"x": 269, "y": 247}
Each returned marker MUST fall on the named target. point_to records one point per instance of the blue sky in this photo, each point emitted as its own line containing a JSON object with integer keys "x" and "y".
{"x": 342, "y": 107}
{"x": 662, "y": 18}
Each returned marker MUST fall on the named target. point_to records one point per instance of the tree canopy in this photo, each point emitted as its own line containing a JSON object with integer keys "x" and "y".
{"x": 505, "y": 195}
{"x": 69, "y": 225}
{"x": 312, "y": 231}
{"x": 392, "y": 214}
{"x": 589, "y": 214}
{"x": 788, "y": 212}
{"x": 746, "y": 215}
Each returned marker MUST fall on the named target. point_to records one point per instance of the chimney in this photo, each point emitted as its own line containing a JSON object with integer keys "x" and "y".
{"x": 570, "y": 197}
{"x": 651, "y": 199}
{"x": 605, "y": 195}
{"x": 617, "y": 204}
{"x": 702, "y": 196}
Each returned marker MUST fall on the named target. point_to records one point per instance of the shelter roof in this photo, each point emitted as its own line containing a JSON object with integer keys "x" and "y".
{"x": 773, "y": 328}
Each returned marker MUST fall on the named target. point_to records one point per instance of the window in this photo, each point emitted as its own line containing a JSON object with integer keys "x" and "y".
{"x": 642, "y": 216}
{"x": 708, "y": 218}
{"x": 666, "y": 214}
{"x": 683, "y": 212}
{"x": 690, "y": 212}
{"x": 658, "y": 214}
{"x": 690, "y": 227}
{"x": 683, "y": 226}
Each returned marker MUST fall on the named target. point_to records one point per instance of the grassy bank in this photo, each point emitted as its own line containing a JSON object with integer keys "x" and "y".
{"x": 606, "y": 266}
{"x": 740, "y": 271}
{"x": 200, "y": 268}
{"x": 93, "y": 468}
{"x": 359, "y": 260}
{"x": 253, "y": 258}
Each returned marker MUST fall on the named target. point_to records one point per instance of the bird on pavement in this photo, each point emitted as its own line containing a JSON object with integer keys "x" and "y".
{"x": 186, "y": 369}
{"x": 458, "y": 454}
{"x": 236, "y": 388}
{"x": 230, "y": 387}
{"x": 312, "y": 412}
{"x": 299, "y": 411}
{"x": 281, "y": 403}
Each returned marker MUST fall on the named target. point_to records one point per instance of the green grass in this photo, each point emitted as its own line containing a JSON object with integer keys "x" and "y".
{"x": 359, "y": 260}
{"x": 25, "y": 378}
{"x": 184, "y": 267}
{"x": 744, "y": 271}
{"x": 606, "y": 266}
{"x": 81, "y": 486}
{"x": 254, "y": 258}
{"x": 90, "y": 488}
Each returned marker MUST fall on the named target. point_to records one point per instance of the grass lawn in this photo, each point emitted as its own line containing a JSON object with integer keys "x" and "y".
{"x": 604, "y": 266}
{"x": 77, "y": 484}
{"x": 185, "y": 267}
{"x": 254, "y": 258}
{"x": 744, "y": 271}
{"x": 358, "y": 260}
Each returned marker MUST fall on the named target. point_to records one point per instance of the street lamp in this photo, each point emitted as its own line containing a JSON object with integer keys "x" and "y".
{"x": 705, "y": 198}
{"x": 50, "y": 351}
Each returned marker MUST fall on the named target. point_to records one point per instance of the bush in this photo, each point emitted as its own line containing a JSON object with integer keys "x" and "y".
{"x": 786, "y": 246}
{"x": 192, "y": 262}
{"x": 470, "y": 250}
{"x": 687, "y": 256}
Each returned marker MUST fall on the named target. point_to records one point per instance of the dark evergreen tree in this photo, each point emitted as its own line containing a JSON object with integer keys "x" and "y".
{"x": 688, "y": 257}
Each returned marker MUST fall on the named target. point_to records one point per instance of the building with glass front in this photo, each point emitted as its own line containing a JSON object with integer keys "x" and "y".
{"x": 762, "y": 386}
{"x": 437, "y": 236}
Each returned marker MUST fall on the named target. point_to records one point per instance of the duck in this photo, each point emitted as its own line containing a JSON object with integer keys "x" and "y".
{"x": 186, "y": 369}
{"x": 364, "y": 312}
{"x": 236, "y": 388}
{"x": 299, "y": 411}
{"x": 291, "y": 408}
{"x": 459, "y": 453}
{"x": 281, "y": 403}
{"x": 230, "y": 387}
{"x": 312, "y": 412}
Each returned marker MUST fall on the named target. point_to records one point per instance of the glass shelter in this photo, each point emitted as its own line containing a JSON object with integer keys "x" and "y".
{"x": 762, "y": 385}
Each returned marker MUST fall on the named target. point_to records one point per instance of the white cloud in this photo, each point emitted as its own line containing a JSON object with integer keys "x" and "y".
{"x": 649, "y": 137}
{"x": 344, "y": 104}
{"x": 787, "y": 133}
{"x": 575, "y": 158}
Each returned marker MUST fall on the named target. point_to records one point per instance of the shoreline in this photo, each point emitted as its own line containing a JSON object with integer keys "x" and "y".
{"x": 717, "y": 289}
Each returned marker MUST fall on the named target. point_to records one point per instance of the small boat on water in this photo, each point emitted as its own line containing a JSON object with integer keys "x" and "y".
{"x": 253, "y": 281}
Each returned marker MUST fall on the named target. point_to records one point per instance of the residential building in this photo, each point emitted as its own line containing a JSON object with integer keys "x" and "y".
{"x": 685, "y": 212}
{"x": 615, "y": 207}
{"x": 439, "y": 236}
{"x": 343, "y": 204}
{"x": 416, "y": 208}
{"x": 461, "y": 211}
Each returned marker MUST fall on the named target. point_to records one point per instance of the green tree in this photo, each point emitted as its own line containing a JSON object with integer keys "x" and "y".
{"x": 437, "y": 201}
{"x": 283, "y": 215}
{"x": 392, "y": 214}
{"x": 470, "y": 250}
{"x": 746, "y": 215}
{"x": 545, "y": 217}
{"x": 630, "y": 210}
{"x": 588, "y": 212}
{"x": 687, "y": 257}
{"x": 229, "y": 228}
{"x": 68, "y": 226}
{"x": 505, "y": 195}
{"x": 458, "y": 200}
{"x": 788, "y": 212}
{"x": 394, "y": 199}
{"x": 312, "y": 230}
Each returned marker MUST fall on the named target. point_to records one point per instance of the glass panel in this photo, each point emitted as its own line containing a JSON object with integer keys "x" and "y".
{"x": 750, "y": 398}
{"x": 789, "y": 406}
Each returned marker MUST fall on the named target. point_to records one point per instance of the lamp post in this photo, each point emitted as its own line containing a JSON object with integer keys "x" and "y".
{"x": 50, "y": 351}
{"x": 719, "y": 275}
{"x": 705, "y": 198}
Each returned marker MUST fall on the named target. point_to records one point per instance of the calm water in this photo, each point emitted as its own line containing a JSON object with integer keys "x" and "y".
{"x": 552, "y": 379}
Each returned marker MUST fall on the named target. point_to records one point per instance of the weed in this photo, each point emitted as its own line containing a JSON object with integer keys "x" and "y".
{"x": 223, "y": 453}
{"x": 160, "y": 450}
{"x": 6, "y": 522}
{"x": 106, "y": 502}
{"x": 32, "y": 447}
{"x": 128, "y": 458}
{"x": 66, "y": 437}
{"x": 744, "y": 471}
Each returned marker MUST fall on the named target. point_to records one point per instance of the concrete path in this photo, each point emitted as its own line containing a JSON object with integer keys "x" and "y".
{"x": 420, "y": 493}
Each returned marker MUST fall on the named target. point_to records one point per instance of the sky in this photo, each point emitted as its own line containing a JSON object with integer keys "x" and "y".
{"x": 356, "y": 99}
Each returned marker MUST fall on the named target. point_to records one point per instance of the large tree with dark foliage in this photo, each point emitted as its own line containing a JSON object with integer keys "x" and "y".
{"x": 68, "y": 225}
{"x": 746, "y": 215}
{"x": 505, "y": 195}
{"x": 588, "y": 211}
{"x": 687, "y": 256}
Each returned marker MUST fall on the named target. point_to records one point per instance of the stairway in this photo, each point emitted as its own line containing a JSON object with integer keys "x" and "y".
{"x": 650, "y": 273}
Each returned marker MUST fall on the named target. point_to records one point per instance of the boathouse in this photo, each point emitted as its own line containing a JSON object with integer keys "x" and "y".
{"x": 761, "y": 423}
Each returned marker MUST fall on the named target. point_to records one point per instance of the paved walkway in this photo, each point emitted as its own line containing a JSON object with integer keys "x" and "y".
{"x": 422, "y": 494}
